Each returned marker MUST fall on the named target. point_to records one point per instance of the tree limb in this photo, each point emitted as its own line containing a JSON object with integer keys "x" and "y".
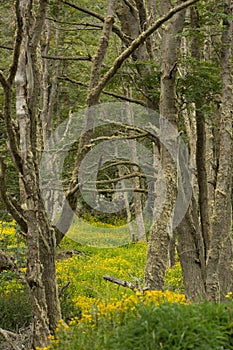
{"x": 123, "y": 177}
{"x": 135, "y": 44}
{"x": 85, "y": 24}
{"x": 39, "y": 22}
{"x": 18, "y": 41}
{"x": 11, "y": 205}
{"x": 112, "y": 190}
{"x": 68, "y": 58}
{"x": 109, "y": 93}
{"x": 101, "y": 50}
{"x": 115, "y": 28}
{"x": 126, "y": 137}
{"x": 7, "y": 86}
{"x": 58, "y": 58}
{"x": 3, "y": 80}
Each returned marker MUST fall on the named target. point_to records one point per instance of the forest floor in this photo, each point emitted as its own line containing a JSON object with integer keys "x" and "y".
{"x": 101, "y": 315}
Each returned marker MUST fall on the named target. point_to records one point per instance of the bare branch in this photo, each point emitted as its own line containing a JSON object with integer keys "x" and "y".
{"x": 68, "y": 58}
{"x": 7, "y": 85}
{"x": 109, "y": 93}
{"x": 58, "y": 58}
{"x": 85, "y": 24}
{"x": 10, "y": 127}
{"x": 113, "y": 190}
{"x": 133, "y": 10}
{"x": 63, "y": 288}
{"x": 18, "y": 40}
{"x": 115, "y": 28}
{"x": 6, "y": 47}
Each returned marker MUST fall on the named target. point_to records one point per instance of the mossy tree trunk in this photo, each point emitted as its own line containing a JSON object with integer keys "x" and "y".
{"x": 161, "y": 233}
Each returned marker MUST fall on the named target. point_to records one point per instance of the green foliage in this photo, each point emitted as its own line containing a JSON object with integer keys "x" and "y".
{"x": 202, "y": 83}
{"x": 15, "y": 309}
{"x": 175, "y": 326}
{"x": 168, "y": 326}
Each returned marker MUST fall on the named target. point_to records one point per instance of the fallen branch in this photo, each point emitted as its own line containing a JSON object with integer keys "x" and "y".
{"x": 122, "y": 283}
{"x": 6, "y": 334}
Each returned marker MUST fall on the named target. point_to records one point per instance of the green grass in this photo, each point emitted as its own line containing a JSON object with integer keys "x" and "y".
{"x": 96, "y": 234}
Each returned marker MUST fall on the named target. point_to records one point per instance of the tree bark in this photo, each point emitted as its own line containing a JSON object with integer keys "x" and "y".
{"x": 219, "y": 263}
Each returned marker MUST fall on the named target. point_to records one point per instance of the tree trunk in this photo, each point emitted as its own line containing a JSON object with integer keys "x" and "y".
{"x": 162, "y": 231}
{"x": 40, "y": 275}
{"x": 191, "y": 254}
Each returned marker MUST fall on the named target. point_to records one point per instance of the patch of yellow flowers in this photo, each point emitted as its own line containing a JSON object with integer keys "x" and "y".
{"x": 7, "y": 233}
{"x": 92, "y": 309}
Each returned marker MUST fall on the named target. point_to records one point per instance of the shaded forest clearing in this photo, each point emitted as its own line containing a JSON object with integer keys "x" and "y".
{"x": 102, "y": 315}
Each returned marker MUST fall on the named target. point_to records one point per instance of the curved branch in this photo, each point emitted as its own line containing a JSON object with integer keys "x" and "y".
{"x": 117, "y": 179}
{"x": 7, "y": 83}
{"x": 135, "y": 44}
